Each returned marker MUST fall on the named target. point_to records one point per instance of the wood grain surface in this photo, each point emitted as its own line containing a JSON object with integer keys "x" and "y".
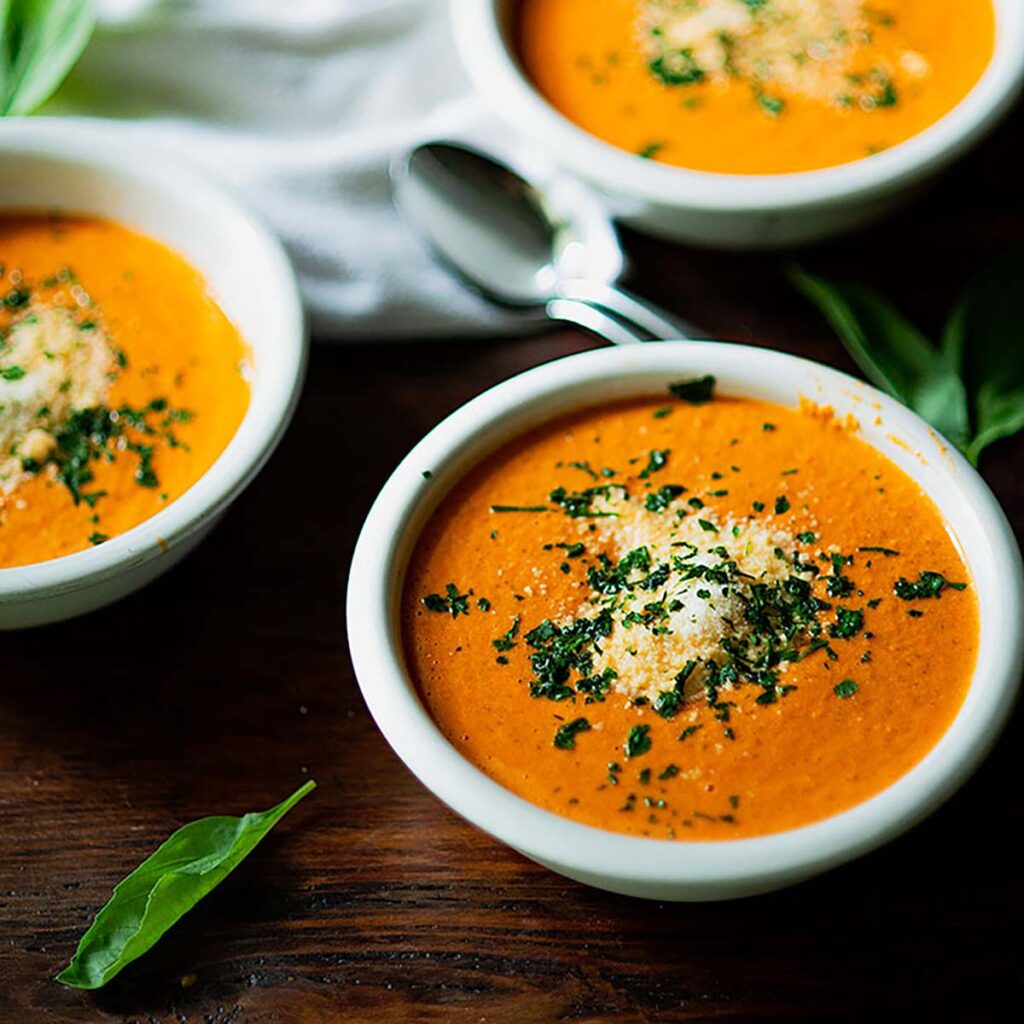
{"x": 223, "y": 685}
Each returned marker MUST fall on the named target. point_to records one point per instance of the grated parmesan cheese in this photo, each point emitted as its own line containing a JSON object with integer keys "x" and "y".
{"x": 51, "y": 365}
{"x": 816, "y": 49}
{"x": 695, "y": 614}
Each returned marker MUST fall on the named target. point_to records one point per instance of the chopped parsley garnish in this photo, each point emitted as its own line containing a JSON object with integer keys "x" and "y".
{"x": 639, "y": 741}
{"x": 658, "y": 459}
{"x": 888, "y": 552}
{"x": 98, "y": 433}
{"x": 558, "y": 651}
{"x": 12, "y": 373}
{"x": 668, "y": 703}
{"x": 769, "y": 104}
{"x": 608, "y": 577}
{"x": 847, "y": 688}
{"x": 886, "y": 94}
{"x": 565, "y": 737}
{"x": 507, "y": 642}
{"x": 839, "y": 585}
{"x": 585, "y": 467}
{"x": 698, "y": 391}
{"x": 927, "y": 585}
{"x": 678, "y": 67}
{"x": 580, "y": 504}
{"x": 781, "y": 505}
{"x": 849, "y": 622}
{"x": 454, "y": 603}
{"x": 651, "y": 150}
{"x": 595, "y": 687}
{"x": 519, "y": 508}
{"x": 16, "y": 298}
{"x": 659, "y": 500}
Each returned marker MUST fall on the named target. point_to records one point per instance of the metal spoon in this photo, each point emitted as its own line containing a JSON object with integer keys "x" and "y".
{"x": 507, "y": 240}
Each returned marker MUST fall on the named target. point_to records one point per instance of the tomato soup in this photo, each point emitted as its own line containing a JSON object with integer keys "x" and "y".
{"x": 121, "y": 381}
{"x": 690, "y": 617}
{"x": 755, "y": 86}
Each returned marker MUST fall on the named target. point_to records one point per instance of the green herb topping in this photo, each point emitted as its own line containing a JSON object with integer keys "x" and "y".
{"x": 657, "y": 460}
{"x": 847, "y": 688}
{"x": 659, "y": 500}
{"x": 452, "y": 602}
{"x": 565, "y": 737}
{"x": 697, "y": 391}
{"x": 927, "y": 585}
{"x": 638, "y": 742}
{"x": 101, "y": 434}
{"x": 677, "y": 67}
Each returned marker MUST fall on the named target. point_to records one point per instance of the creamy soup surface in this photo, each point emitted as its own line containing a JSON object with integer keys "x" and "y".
{"x": 755, "y": 86}
{"x": 121, "y": 381}
{"x": 691, "y": 617}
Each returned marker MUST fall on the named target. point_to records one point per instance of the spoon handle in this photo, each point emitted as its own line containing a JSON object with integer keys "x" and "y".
{"x": 593, "y": 319}
{"x": 658, "y": 324}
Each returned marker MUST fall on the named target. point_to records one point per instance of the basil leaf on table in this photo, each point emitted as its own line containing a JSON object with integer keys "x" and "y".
{"x": 986, "y": 336}
{"x": 971, "y": 387}
{"x": 892, "y": 353}
{"x": 40, "y": 40}
{"x": 165, "y": 887}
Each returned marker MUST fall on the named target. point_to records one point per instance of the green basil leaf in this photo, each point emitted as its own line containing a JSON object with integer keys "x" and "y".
{"x": 986, "y": 335}
{"x": 166, "y": 886}
{"x": 893, "y": 354}
{"x": 40, "y": 40}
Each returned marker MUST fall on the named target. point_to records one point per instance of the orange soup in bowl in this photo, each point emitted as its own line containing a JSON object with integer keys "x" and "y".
{"x": 755, "y": 86}
{"x": 121, "y": 381}
{"x": 690, "y": 617}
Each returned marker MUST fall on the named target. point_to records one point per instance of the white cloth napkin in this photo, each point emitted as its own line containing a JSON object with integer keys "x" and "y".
{"x": 300, "y": 105}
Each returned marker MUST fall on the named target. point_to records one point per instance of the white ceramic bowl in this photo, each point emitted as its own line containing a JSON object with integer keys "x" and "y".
{"x": 732, "y": 210}
{"x": 663, "y": 869}
{"x": 95, "y": 168}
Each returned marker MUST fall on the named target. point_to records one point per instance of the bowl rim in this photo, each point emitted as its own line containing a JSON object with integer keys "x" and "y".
{"x": 377, "y": 571}
{"x": 496, "y": 73}
{"x": 110, "y": 148}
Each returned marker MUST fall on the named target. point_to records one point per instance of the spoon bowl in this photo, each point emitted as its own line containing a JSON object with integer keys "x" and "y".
{"x": 523, "y": 245}
{"x": 484, "y": 221}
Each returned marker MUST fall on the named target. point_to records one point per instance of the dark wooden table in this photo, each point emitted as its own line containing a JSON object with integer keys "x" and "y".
{"x": 221, "y": 687}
